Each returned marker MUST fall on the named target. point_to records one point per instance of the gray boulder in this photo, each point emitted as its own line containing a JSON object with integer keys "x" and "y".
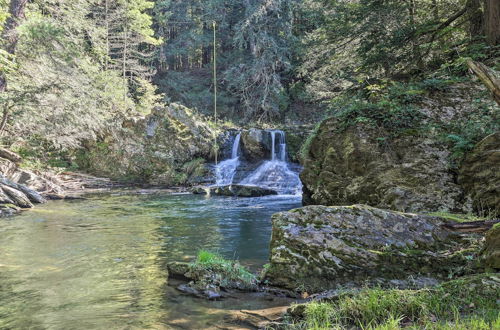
{"x": 319, "y": 248}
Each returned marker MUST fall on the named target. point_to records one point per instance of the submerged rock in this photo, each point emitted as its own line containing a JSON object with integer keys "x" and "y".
{"x": 480, "y": 175}
{"x": 318, "y": 248}
{"x": 235, "y": 190}
{"x": 408, "y": 173}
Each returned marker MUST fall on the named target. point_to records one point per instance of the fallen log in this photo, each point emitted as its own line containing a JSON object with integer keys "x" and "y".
{"x": 488, "y": 76}
{"x": 10, "y": 155}
{"x": 471, "y": 226}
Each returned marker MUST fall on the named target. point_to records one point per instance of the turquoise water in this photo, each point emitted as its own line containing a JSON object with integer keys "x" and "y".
{"x": 99, "y": 263}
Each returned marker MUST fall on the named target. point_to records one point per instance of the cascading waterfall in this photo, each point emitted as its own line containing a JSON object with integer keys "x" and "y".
{"x": 225, "y": 170}
{"x": 275, "y": 173}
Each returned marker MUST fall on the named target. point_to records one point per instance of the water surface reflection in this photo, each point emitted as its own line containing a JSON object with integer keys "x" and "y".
{"x": 100, "y": 263}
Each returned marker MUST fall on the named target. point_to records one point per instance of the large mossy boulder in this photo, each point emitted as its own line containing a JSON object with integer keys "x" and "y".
{"x": 491, "y": 253}
{"x": 360, "y": 165}
{"x": 480, "y": 175}
{"x": 318, "y": 247}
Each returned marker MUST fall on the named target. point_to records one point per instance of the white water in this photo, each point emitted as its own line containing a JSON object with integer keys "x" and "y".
{"x": 275, "y": 173}
{"x": 225, "y": 170}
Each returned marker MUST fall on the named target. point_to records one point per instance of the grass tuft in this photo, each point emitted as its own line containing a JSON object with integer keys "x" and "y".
{"x": 467, "y": 303}
{"x": 226, "y": 273}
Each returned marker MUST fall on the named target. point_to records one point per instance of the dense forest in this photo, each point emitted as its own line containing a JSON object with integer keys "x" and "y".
{"x": 345, "y": 152}
{"x": 70, "y": 69}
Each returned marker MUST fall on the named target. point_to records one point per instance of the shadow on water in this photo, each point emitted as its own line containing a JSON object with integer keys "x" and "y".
{"x": 100, "y": 263}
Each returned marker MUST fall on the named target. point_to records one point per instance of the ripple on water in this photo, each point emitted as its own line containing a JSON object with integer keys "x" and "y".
{"x": 100, "y": 263}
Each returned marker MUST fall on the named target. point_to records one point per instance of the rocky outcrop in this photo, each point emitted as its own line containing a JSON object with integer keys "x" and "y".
{"x": 256, "y": 144}
{"x": 317, "y": 248}
{"x": 491, "y": 253}
{"x": 235, "y": 190}
{"x": 167, "y": 147}
{"x": 480, "y": 175}
{"x": 408, "y": 173}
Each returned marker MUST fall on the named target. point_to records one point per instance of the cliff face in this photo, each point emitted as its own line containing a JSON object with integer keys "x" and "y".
{"x": 167, "y": 147}
{"x": 353, "y": 166}
{"x": 410, "y": 170}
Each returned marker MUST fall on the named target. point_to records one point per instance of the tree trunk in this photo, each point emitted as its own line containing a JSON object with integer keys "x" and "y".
{"x": 16, "y": 13}
{"x": 471, "y": 227}
{"x": 492, "y": 21}
{"x": 488, "y": 77}
{"x": 10, "y": 38}
{"x": 476, "y": 22}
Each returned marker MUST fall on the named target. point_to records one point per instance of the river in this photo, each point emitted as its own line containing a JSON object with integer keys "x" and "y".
{"x": 100, "y": 262}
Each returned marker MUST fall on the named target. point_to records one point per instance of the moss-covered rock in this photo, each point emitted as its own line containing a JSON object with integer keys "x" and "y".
{"x": 210, "y": 274}
{"x": 480, "y": 175}
{"x": 359, "y": 165}
{"x": 162, "y": 148}
{"x": 491, "y": 253}
{"x": 256, "y": 144}
{"x": 318, "y": 247}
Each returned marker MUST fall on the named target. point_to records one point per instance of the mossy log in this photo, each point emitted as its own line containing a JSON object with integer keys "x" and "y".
{"x": 472, "y": 226}
{"x": 10, "y": 155}
{"x": 487, "y": 76}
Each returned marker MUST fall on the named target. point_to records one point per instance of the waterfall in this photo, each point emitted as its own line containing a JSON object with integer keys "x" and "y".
{"x": 276, "y": 173}
{"x": 236, "y": 146}
{"x": 225, "y": 170}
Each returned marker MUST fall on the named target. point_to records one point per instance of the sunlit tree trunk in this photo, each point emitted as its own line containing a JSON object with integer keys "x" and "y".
{"x": 10, "y": 38}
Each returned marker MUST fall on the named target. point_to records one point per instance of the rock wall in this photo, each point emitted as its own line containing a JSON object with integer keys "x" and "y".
{"x": 480, "y": 176}
{"x": 411, "y": 173}
{"x": 316, "y": 248}
{"x": 167, "y": 147}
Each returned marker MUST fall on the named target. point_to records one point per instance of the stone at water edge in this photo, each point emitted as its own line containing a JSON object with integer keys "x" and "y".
{"x": 201, "y": 190}
{"x": 318, "y": 247}
{"x": 234, "y": 190}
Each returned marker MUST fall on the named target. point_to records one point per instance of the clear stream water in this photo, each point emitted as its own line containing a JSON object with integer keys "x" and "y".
{"x": 100, "y": 263}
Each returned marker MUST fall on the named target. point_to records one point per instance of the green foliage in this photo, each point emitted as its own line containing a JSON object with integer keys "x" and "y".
{"x": 306, "y": 146}
{"x": 351, "y": 42}
{"x": 457, "y": 217}
{"x": 226, "y": 270}
{"x": 254, "y": 56}
{"x": 463, "y": 134}
{"x": 384, "y": 106}
{"x": 60, "y": 87}
{"x": 467, "y": 301}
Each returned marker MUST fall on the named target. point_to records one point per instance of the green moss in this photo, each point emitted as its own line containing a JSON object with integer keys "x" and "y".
{"x": 458, "y": 217}
{"x": 222, "y": 272}
{"x": 467, "y": 301}
{"x": 303, "y": 153}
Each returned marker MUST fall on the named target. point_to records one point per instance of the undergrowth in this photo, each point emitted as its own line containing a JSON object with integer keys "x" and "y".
{"x": 467, "y": 303}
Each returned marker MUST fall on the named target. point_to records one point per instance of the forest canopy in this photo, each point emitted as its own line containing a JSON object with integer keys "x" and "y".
{"x": 76, "y": 68}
